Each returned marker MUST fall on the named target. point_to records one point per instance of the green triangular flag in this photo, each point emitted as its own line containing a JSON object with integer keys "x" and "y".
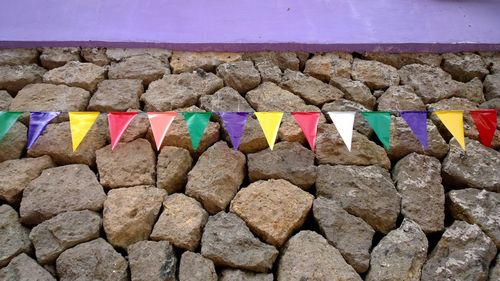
{"x": 380, "y": 121}
{"x": 196, "y": 123}
{"x": 7, "y": 120}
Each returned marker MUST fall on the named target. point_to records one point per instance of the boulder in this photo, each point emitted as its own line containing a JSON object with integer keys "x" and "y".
{"x": 152, "y": 261}
{"x": 288, "y": 160}
{"x": 239, "y": 75}
{"x": 464, "y": 67}
{"x": 76, "y": 74}
{"x": 54, "y": 236}
{"x": 400, "y": 98}
{"x": 93, "y": 260}
{"x": 172, "y": 168}
{"x": 5, "y": 100}
{"x": 12, "y": 145}
{"x": 15, "y": 175}
{"x": 225, "y": 100}
{"x": 130, "y": 213}
{"x": 374, "y": 74}
{"x": 308, "y": 256}
{"x": 325, "y": 67}
{"x": 216, "y": 177}
{"x": 56, "y": 57}
{"x": 240, "y": 275}
{"x": 464, "y": 252}
{"x": 181, "y": 222}
{"x": 355, "y": 91}
{"x": 399, "y": 60}
{"x": 349, "y": 234}
{"x": 118, "y": 54}
{"x": 360, "y": 123}
{"x": 227, "y": 241}
{"x": 269, "y": 97}
{"x": 58, "y": 190}
{"x": 194, "y": 267}
{"x": 284, "y": 60}
{"x": 208, "y": 61}
{"x": 273, "y": 209}
{"x": 96, "y": 56}
{"x": 130, "y": 164}
{"x": 24, "y": 268}
{"x": 18, "y": 56}
{"x": 14, "y": 78}
{"x": 492, "y": 86}
{"x": 366, "y": 192}
{"x": 495, "y": 270}
{"x": 116, "y": 95}
{"x": 13, "y": 237}
{"x": 418, "y": 181}
{"x": 269, "y": 72}
{"x": 400, "y": 255}
{"x": 143, "y": 67}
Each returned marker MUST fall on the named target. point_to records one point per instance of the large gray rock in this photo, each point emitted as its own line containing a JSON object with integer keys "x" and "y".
{"x": 89, "y": 261}
{"x": 24, "y": 268}
{"x": 96, "y": 56}
{"x": 495, "y": 270}
{"x": 399, "y": 60}
{"x": 269, "y": 72}
{"x": 366, "y": 192}
{"x": 227, "y": 241}
{"x": 5, "y": 100}
{"x": 355, "y": 91}
{"x": 194, "y": 267}
{"x": 208, "y": 61}
{"x": 13, "y": 237}
{"x": 308, "y": 256}
{"x": 216, "y": 177}
{"x": 118, "y": 54}
{"x": 476, "y": 168}
{"x": 14, "y": 78}
{"x": 130, "y": 213}
{"x": 326, "y": 66}
{"x": 400, "y": 98}
{"x": 56, "y": 57}
{"x": 284, "y": 60}
{"x": 130, "y": 164}
{"x": 288, "y": 160}
{"x": 492, "y": 86}
{"x": 463, "y": 253}
{"x": 224, "y": 100}
{"x": 400, "y": 255}
{"x": 61, "y": 189}
{"x": 269, "y": 97}
{"x": 14, "y": 142}
{"x": 117, "y": 95}
{"x": 351, "y": 235}
{"x": 15, "y": 175}
{"x": 152, "y": 261}
{"x": 54, "y": 236}
{"x": 239, "y": 75}
{"x": 240, "y": 275}
{"x": 172, "y": 168}
{"x": 181, "y": 222}
{"x": 374, "y": 74}
{"x": 478, "y": 207}
{"x": 464, "y": 67}
{"x": 18, "y": 56}
{"x": 76, "y": 74}
{"x": 418, "y": 181}
{"x": 143, "y": 67}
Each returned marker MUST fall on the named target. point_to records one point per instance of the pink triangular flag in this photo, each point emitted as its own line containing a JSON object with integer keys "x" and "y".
{"x": 118, "y": 123}
{"x": 160, "y": 122}
{"x": 308, "y": 122}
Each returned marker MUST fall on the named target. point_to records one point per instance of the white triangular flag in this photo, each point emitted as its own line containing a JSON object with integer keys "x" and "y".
{"x": 344, "y": 121}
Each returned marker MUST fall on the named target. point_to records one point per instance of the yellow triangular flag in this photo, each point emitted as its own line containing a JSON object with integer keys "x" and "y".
{"x": 453, "y": 120}
{"x": 270, "y": 123}
{"x": 80, "y": 124}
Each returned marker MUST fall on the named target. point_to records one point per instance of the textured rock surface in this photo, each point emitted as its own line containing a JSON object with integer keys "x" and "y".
{"x": 54, "y": 236}
{"x": 374, "y": 74}
{"x": 360, "y": 123}
{"x": 14, "y": 78}
{"x": 56, "y": 57}
{"x": 5, "y": 100}
{"x": 143, "y": 67}
{"x": 401, "y": 59}
{"x": 116, "y": 95}
{"x": 495, "y": 270}
{"x": 492, "y": 86}
{"x": 400, "y": 98}
{"x": 349, "y": 234}
{"x": 94, "y": 260}
{"x": 173, "y": 166}
{"x": 216, "y": 177}
{"x": 13, "y": 237}
{"x": 269, "y": 72}
{"x": 76, "y": 74}
{"x": 240, "y": 275}
{"x": 240, "y": 75}
{"x": 13, "y": 143}
{"x": 465, "y": 67}
{"x": 225, "y": 99}
{"x": 152, "y": 261}
{"x": 96, "y": 56}
{"x": 61, "y": 189}
{"x": 463, "y": 253}
{"x": 129, "y": 214}
{"x": 273, "y": 209}
{"x": 284, "y": 60}
{"x": 23, "y": 268}
{"x": 208, "y": 61}
{"x": 355, "y": 91}
{"x": 269, "y": 97}
{"x": 18, "y": 56}
{"x": 118, "y": 54}
{"x": 308, "y": 256}
{"x": 227, "y": 241}
{"x": 194, "y": 267}
{"x": 181, "y": 222}
{"x": 400, "y": 255}
{"x": 326, "y": 66}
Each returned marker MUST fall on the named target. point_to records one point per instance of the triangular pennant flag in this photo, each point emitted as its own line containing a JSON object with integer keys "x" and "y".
{"x": 453, "y": 120}
{"x": 118, "y": 123}
{"x": 270, "y": 124}
{"x": 7, "y": 120}
{"x": 308, "y": 122}
{"x": 38, "y": 123}
{"x": 417, "y": 121}
{"x": 196, "y": 123}
{"x": 380, "y": 122}
{"x": 80, "y": 124}
{"x": 160, "y": 122}
{"x": 344, "y": 121}
{"x": 486, "y": 124}
{"x": 234, "y": 123}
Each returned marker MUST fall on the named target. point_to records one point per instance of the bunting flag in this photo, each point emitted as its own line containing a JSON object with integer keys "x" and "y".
{"x": 160, "y": 122}
{"x": 80, "y": 124}
{"x": 234, "y": 123}
{"x": 344, "y": 122}
{"x": 196, "y": 123}
{"x": 453, "y": 120}
{"x": 308, "y": 122}
{"x": 38, "y": 123}
{"x": 380, "y": 122}
{"x": 270, "y": 123}
{"x": 118, "y": 122}
{"x": 7, "y": 120}
{"x": 486, "y": 124}
{"x": 417, "y": 121}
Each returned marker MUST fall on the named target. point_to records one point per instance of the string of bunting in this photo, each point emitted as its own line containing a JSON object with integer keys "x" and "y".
{"x": 234, "y": 123}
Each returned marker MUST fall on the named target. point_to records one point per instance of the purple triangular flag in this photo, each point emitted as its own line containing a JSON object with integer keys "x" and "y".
{"x": 234, "y": 122}
{"x": 38, "y": 123}
{"x": 417, "y": 121}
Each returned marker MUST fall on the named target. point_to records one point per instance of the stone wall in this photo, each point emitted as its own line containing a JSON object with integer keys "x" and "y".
{"x": 253, "y": 214}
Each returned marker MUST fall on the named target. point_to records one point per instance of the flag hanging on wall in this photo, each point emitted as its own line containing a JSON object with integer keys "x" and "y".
{"x": 417, "y": 121}
{"x": 7, "y": 120}
{"x": 80, "y": 124}
{"x": 270, "y": 124}
{"x": 160, "y": 122}
{"x": 380, "y": 122}
{"x": 344, "y": 122}
{"x": 234, "y": 123}
{"x": 118, "y": 122}
{"x": 38, "y": 123}
{"x": 486, "y": 124}
{"x": 453, "y": 120}
{"x": 308, "y": 122}
{"x": 196, "y": 123}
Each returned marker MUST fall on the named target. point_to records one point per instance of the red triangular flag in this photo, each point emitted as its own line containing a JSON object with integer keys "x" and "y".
{"x": 160, "y": 122}
{"x": 486, "y": 124}
{"x": 308, "y": 122}
{"x": 118, "y": 123}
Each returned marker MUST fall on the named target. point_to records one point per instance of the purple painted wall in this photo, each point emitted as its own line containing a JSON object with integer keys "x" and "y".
{"x": 243, "y": 25}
